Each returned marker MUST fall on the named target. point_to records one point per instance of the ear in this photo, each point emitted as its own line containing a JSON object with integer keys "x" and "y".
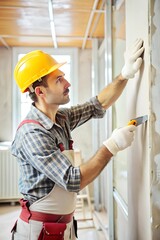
{"x": 38, "y": 91}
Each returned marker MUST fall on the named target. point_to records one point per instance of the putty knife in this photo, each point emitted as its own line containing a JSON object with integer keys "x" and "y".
{"x": 139, "y": 120}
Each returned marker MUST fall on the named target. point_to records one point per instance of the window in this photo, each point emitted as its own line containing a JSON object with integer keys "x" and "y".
{"x": 22, "y": 101}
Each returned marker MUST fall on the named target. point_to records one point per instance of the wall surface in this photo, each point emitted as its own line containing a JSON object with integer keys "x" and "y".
{"x": 5, "y": 94}
{"x": 138, "y": 102}
{"x": 155, "y": 120}
{"x": 119, "y": 108}
{"x": 83, "y": 135}
{"x": 141, "y": 97}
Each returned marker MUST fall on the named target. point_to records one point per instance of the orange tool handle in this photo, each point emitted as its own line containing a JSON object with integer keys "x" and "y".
{"x": 132, "y": 122}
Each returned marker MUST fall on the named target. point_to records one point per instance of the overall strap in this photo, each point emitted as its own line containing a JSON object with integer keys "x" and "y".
{"x": 61, "y": 146}
{"x": 29, "y": 121}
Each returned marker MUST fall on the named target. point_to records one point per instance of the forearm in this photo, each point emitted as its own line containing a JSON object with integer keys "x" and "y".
{"x": 111, "y": 93}
{"x": 91, "y": 169}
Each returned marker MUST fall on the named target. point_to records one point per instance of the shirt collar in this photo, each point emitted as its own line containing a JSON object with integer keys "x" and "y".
{"x": 45, "y": 121}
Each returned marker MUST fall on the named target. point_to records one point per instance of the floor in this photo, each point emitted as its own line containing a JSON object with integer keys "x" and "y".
{"x": 89, "y": 229}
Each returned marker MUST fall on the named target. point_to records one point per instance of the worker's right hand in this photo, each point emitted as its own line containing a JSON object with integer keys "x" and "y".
{"x": 120, "y": 139}
{"x": 133, "y": 59}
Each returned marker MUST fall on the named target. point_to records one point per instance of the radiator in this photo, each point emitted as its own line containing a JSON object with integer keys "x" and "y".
{"x": 9, "y": 175}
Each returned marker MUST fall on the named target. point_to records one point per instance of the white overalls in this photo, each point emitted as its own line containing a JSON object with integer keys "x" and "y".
{"x": 58, "y": 201}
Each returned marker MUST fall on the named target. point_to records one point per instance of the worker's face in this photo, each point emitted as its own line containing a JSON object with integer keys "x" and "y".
{"x": 57, "y": 91}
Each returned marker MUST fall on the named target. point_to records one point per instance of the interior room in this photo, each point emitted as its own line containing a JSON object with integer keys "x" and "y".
{"x": 91, "y": 37}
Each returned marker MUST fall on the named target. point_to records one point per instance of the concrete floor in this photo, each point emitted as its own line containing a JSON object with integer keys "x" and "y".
{"x": 87, "y": 230}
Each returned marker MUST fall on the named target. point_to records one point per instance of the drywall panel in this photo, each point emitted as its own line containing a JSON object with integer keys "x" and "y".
{"x": 155, "y": 121}
{"x": 138, "y": 102}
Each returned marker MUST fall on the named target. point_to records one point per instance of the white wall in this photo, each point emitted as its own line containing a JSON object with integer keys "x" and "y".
{"x": 141, "y": 97}
{"x": 83, "y": 135}
{"x": 5, "y": 94}
{"x": 155, "y": 118}
{"x": 139, "y": 212}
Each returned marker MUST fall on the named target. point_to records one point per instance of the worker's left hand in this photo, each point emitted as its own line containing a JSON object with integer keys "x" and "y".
{"x": 133, "y": 59}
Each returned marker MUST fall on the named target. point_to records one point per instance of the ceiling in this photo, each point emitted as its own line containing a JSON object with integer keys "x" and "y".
{"x": 28, "y": 22}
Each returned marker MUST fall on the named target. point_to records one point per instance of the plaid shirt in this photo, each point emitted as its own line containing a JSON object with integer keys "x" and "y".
{"x": 36, "y": 147}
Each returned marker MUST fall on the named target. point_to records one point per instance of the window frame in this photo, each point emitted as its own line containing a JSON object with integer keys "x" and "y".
{"x": 16, "y": 95}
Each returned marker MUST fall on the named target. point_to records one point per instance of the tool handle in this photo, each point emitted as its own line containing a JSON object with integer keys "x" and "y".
{"x": 132, "y": 122}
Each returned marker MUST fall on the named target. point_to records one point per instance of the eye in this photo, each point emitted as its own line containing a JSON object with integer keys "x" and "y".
{"x": 59, "y": 79}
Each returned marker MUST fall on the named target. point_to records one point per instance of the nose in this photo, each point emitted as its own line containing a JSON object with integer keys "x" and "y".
{"x": 67, "y": 84}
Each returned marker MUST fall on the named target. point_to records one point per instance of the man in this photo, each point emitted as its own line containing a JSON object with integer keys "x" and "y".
{"x": 49, "y": 181}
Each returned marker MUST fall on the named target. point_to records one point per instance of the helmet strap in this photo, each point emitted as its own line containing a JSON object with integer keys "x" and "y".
{"x": 31, "y": 86}
{"x": 31, "y": 89}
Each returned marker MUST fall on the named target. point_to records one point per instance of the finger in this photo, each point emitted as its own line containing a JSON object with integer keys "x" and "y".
{"x": 138, "y": 44}
{"x": 131, "y": 128}
{"x": 137, "y": 64}
{"x": 115, "y": 130}
{"x": 137, "y": 54}
{"x": 135, "y": 43}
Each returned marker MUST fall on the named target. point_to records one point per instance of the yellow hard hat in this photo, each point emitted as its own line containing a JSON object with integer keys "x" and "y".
{"x": 32, "y": 67}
